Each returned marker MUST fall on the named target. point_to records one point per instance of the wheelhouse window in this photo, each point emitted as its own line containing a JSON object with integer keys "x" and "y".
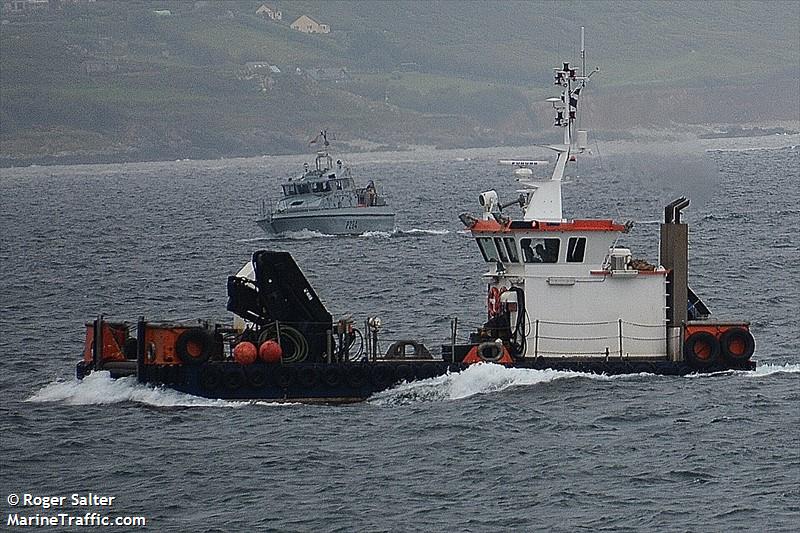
{"x": 576, "y": 249}
{"x": 511, "y": 248}
{"x": 288, "y": 190}
{"x": 540, "y": 250}
{"x": 488, "y": 251}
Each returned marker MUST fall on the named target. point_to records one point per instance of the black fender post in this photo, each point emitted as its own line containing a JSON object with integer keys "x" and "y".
{"x": 97, "y": 352}
{"x": 140, "y": 349}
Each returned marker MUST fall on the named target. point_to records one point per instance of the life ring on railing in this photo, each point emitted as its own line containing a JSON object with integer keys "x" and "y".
{"x": 701, "y": 350}
{"x": 488, "y": 352}
{"x": 493, "y": 304}
{"x": 194, "y": 346}
{"x": 737, "y": 345}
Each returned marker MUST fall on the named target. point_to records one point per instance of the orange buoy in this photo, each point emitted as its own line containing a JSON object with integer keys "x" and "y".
{"x": 270, "y": 352}
{"x": 245, "y": 353}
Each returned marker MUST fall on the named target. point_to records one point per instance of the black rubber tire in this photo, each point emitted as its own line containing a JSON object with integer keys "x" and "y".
{"x": 331, "y": 376}
{"x": 490, "y": 352}
{"x": 256, "y": 376}
{"x": 701, "y": 350}
{"x": 307, "y": 377}
{"x": 283, "y": 376}
{"x": 129, "y": 348}
{"x": 169, "y": 374}
{"x": 383, "y": 375}
{"x": 198, "y": 337}
{"x": 356, "y": 376}
{"x": 404, "y": 373}
{"x": 233, "y": 378}
{"x": 732, "y": 340}
{"x": 425, "y": 371}
{"x": 209, "y": 377}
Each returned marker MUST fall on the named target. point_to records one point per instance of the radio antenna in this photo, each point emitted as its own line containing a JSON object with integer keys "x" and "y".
{"x": 583, "y": 54}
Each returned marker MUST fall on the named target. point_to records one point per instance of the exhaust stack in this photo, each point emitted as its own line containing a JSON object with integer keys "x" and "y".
{"x": 674, "y": 256}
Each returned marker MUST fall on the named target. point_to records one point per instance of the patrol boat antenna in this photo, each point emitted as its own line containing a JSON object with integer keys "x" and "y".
{"x": 323, "y": 155}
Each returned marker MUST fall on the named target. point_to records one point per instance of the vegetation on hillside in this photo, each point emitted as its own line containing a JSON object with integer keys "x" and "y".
{"x": 115, "y": 80}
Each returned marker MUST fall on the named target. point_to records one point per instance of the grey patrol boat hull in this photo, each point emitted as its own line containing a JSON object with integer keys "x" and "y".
{"x": 342, "y": 221}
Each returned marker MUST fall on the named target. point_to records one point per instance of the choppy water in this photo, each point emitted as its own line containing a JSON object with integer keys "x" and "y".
{"x": 489, "y": 449}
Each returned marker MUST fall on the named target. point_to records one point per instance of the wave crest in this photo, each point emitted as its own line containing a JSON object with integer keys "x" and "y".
{"x": 482, "y": 378}
{"x": 98, "y": 388}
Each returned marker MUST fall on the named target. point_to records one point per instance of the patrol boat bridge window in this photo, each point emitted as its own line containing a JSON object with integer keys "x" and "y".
{"x": 576, "y": 248}
{"x": 320, "y": 186}
{"x": 540, "y": 250}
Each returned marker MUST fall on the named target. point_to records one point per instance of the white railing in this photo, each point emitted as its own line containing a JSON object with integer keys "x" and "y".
{"x": 613, "y": 338}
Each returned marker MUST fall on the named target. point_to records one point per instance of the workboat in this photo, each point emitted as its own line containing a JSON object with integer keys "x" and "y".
{"x": 326, "y": 200}
{"x": 560, "y": 294}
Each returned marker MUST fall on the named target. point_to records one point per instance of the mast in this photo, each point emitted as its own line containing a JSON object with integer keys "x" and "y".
{"x": 545, "y": 201}
{"x": 323, "y": 154}
{"x": 583, "y": 53}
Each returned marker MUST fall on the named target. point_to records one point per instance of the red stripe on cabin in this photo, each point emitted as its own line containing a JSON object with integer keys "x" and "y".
{"x": 488, "y": 225}
{"x": 573, "y": 226}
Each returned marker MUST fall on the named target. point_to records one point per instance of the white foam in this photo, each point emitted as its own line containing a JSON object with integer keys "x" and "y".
{"x": 384, "y": 234}
{"x": 416, "y": 231}
{"x": 486, "y": 378}
{"x": 300, "y": 235}
{"x": 98, "y": 388}
{"x": 761, "y": 371}
{"x": 482, "y": 378}
{"x": 769, "y": 369}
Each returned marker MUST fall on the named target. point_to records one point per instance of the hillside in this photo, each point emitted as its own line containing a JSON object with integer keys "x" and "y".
{"x": 114, "y": 81}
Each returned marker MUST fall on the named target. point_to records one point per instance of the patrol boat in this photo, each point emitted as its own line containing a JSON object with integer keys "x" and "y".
{"x": 560, "y": 294}
{"x": 325, "y": 199}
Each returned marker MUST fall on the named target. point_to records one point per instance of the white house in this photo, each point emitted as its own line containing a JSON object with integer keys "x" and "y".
{"x": 306, "y": 24}
{"x": 266, "y": 11}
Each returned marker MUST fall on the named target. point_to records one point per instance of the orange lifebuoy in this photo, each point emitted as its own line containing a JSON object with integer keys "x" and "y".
{"x": 481, "y": 354}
